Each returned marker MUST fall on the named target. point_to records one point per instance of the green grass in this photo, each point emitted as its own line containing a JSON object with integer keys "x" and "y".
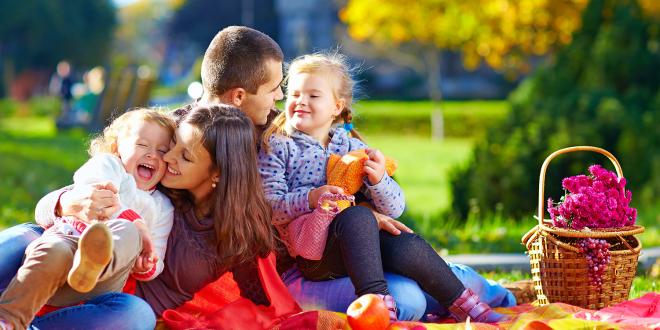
{"x": 35, "y": 160}
{"x": 464, "y": 119}
{"x": 423, "y": 167}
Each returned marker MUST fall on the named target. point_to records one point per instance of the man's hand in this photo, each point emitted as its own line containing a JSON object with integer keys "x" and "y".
{"x": 315, "y": 194}
{"x": 390, "y": 225}
{"x": 374, "y": 166}
{"x": 90, "y": 202}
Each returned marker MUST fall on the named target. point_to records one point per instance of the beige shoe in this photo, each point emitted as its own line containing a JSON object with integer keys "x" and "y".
{"x": 93, "y": 254}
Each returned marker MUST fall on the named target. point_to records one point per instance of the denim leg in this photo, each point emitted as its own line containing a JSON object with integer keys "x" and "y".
{"x": 337, "y": 294}
{"x": 115, "y": 311}
{"x": 489, "y": 291}
{"x": 13, "y": 242}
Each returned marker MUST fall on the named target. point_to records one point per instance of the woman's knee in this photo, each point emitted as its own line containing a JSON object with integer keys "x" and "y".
{"x": 18, "y": 237}
{"x": 14, "y": 241}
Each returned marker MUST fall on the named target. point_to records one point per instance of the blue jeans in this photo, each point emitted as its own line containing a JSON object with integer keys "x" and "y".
{"x": 107, "y": 311}
{"x": 412, "y": 302}
{"x": 13, "y": 242}
{"x": 113, "y": 310}
{"x": 337, "y": 294}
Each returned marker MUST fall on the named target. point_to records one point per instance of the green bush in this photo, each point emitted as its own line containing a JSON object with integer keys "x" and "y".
{"x": 600, "y": 90}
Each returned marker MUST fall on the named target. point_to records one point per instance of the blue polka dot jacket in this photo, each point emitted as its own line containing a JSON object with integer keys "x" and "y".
{"x": 296, "y": 164}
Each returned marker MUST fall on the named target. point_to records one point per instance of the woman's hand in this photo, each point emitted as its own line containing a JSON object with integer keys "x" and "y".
{"x": 390, "y": 225}
{"x": 90, "y": 202}
{"x": 374, "y": 166}
{"x": 315, "y": 194}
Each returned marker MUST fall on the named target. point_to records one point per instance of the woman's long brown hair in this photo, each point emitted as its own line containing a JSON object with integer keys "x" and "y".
{"x": 240, "y": 210}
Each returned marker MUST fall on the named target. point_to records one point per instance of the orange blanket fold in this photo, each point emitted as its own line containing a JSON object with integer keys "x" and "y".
{"x": 219, "y": 305}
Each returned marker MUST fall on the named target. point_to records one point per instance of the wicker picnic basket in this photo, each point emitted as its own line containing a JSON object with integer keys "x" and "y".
{"x": 559, "y": 269}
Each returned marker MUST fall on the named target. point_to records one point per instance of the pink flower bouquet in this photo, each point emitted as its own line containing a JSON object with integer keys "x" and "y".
{"x": 599, "y": 200}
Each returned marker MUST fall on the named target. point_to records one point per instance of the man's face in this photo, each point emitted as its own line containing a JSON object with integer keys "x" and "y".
{"x": 257, "y": 106}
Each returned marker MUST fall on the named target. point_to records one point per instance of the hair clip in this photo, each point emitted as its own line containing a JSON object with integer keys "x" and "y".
{"x": 348, "y": 126}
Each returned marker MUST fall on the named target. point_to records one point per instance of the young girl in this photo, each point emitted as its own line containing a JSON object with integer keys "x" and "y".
{"x": 129, "y": 155}
{"x": 293, "y": 162}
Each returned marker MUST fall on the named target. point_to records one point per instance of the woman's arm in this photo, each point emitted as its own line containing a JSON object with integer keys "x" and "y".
{"x": 48, "y": 208}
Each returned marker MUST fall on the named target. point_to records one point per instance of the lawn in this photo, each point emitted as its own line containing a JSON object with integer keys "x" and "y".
{"x": 34, "y": 161}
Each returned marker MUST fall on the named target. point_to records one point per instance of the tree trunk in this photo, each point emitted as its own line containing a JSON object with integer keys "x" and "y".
{"x": 432, "y": 57}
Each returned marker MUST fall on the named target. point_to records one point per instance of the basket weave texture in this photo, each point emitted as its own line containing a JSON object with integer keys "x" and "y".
{"x": 560, "y": 270}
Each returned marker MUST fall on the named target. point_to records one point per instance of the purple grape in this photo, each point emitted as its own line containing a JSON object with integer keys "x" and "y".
{"x": 597, "y": 255}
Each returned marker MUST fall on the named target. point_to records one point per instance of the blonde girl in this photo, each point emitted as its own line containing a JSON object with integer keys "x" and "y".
{"x": 316, "y": 122}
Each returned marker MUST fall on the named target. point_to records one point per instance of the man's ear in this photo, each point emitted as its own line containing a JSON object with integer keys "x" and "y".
{"x": 235, "y": 96}
{"x": 114, "y": 149}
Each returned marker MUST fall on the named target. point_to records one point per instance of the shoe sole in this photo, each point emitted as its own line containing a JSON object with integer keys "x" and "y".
{"x": 93, "y": 255}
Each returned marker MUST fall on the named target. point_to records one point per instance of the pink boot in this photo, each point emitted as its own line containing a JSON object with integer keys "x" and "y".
{"x": 391, "y": 305}
{"x": 468, "y": 304}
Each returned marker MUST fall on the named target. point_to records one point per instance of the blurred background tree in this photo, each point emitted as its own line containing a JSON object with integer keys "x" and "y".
{"x": 504, "y": 33}
{"x": 35, "y": 35}
{"x": 140, "y": 36}
{"x": 600, "y": 90}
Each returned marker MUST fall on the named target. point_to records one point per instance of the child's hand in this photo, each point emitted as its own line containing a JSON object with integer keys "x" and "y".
{"x": 374, "y": 166}
{"x": 314, "y": 194}
{"x": 148, "y": 257}
{"x": 145, "y": 262}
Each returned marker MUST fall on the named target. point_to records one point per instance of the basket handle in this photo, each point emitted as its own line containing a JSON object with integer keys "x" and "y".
{"x": 544, "y": 167}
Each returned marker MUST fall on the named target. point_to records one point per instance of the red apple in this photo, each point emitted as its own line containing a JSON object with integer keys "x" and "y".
{"x": 368, "y": 312}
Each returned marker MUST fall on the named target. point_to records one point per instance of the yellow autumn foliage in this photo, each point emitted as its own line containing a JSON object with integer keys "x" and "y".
{"x": 499, "y": 32}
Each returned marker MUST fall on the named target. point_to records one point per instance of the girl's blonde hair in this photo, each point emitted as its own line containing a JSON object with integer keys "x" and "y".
{"x": 334, "y": 64}
{"x": 106, "y": 142}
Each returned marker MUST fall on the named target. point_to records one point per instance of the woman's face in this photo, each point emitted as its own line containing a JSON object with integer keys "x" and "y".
{"x": 189, "y": 164}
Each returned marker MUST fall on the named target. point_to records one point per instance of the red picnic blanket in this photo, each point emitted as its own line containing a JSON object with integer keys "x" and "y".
{"x": 219, "y": 306}
{"x": 640, "y": 313}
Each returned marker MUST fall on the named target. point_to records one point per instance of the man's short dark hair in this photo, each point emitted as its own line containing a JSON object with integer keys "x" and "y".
{"x": 237, "y": 57}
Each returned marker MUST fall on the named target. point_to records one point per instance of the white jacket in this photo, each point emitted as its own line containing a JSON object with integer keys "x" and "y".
{"x": 153, "y": 206}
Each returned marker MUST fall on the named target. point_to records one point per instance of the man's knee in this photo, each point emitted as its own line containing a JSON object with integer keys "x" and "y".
{"x": 409, "y": 297}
